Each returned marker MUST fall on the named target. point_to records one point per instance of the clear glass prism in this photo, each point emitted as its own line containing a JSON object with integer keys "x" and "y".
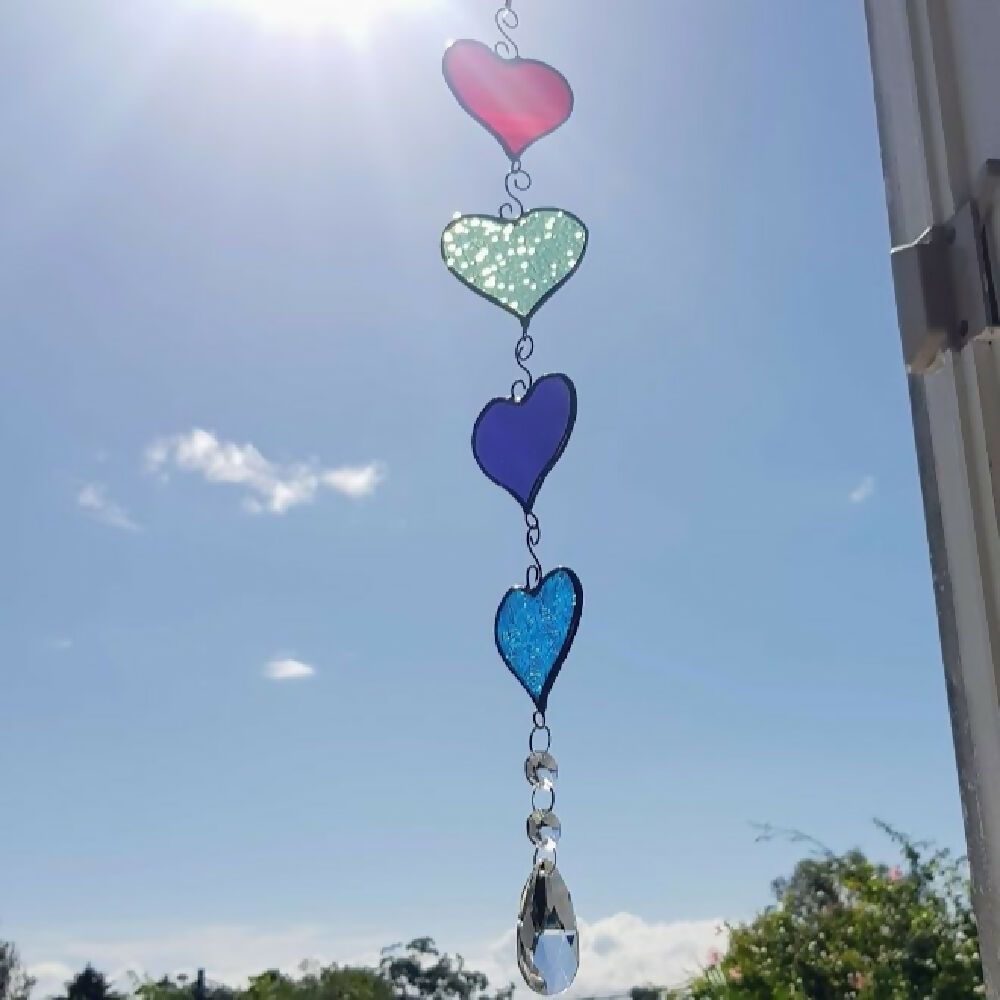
{"x": 541, "y": 770}
{"x": 544, "y": 829}
{"x": 548, "y": 945}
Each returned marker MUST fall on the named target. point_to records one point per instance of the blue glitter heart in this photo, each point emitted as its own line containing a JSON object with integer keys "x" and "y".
{"x": 535, "y": 630}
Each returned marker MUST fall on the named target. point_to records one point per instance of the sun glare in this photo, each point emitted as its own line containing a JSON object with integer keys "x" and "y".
{"x": 351, "y": 17}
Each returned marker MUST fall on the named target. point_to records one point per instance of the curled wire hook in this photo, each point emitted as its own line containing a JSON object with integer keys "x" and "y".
{"x": 523, "y": 350}
{"x": 533, "y": 576}
{"x": 517, "y": 181}
{"x": 506, "y": 21}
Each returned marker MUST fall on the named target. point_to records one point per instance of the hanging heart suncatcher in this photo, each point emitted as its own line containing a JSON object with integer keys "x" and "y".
{"x": 518, "y": 101}
{"x": 516, "y": 265}
{"x": 518, "y": 260}
{"x": 535, "y": 628}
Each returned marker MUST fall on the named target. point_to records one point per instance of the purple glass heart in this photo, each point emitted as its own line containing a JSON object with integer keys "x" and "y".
{"x": 517, "y": 441}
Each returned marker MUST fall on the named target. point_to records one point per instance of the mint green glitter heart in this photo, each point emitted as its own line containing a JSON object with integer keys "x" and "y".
{"x": 516, "y": 264}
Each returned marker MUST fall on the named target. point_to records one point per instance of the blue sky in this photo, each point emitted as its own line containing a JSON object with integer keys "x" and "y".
{"x": 219, "y": 225}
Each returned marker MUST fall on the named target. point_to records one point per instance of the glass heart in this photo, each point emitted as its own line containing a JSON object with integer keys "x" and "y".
{"x": 516, "y": 442}
{"x": 518, "y": 101}
{"x": 517, "y": 265}
{"x": 535, "y": 629}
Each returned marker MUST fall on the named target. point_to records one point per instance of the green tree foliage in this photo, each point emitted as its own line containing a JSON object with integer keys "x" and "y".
{"x": 15, "y": 983}
{"x": 644, "y": 993}
{"x": 845, "y": 927}
{"x": 182, "y": 988}
{"x": 419, "y": 971}
{"x": 321, "y": 983}
{"x": 329, "y": 983}
{"x": 90, "y": 985}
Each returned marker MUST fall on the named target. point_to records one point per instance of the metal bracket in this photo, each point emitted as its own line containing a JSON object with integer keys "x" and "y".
{"x": 946, "y": 281}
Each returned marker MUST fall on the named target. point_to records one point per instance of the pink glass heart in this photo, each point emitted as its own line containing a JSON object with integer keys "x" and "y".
{"x": 517, "y": 100}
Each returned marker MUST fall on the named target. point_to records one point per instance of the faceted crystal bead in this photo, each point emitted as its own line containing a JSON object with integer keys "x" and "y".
{"x": 548, "y": 946}
{"x": 541, "y": 770}
{"x": 544, "y": 829}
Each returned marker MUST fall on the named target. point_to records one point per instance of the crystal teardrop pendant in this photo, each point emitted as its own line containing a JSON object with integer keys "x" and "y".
{"x": 548, "y": 946}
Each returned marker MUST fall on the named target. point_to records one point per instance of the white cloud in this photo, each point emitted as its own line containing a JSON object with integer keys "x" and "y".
{"x": 288, "y": 669}
{"x": 354, "y": 482}
{"x": 59, "y": 643}
{"x": 620, "y": 952}
{"x": 93, "y": 498}
{"x": 49, "y": 977}
{"x": 865, "y": 490}
{"x": 229, "y": 954}
{"x": 270, "y": 488}
{"x": 616, "y": 953}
